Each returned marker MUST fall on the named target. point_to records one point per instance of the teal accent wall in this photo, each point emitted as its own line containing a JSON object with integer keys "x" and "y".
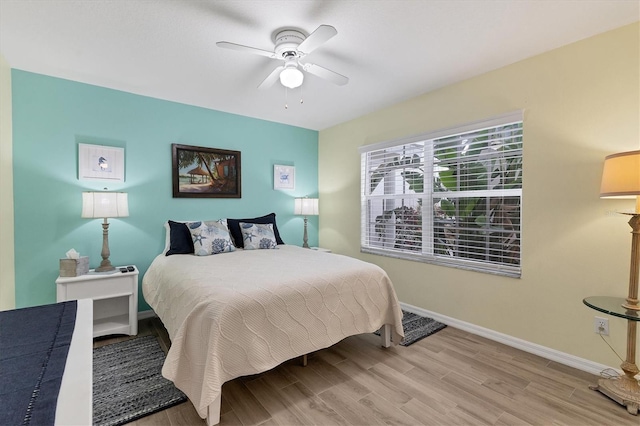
{"x": 51, "y": 116}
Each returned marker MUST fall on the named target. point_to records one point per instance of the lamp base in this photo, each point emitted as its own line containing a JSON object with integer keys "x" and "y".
{"x": 105, "y": 266}
{"x": 305, "y": 239}
{"x": 632, "y": 298}
{"x": 624, "y": 390}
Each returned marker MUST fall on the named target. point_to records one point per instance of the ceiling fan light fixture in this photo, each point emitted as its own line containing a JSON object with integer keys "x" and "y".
{"x": 291, "y": 46}
{"x": 291, "y": 77}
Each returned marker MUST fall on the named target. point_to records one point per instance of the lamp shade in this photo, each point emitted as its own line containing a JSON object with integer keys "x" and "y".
{"x": 291, "y": 77}
{"x": 621, "y": 175}
{"x": 104, "y": 204}
{"x": 306, "y": 206}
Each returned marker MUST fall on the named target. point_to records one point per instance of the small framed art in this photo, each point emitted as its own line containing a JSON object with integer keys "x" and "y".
{"x": 200, "y": 172}
{"x": 97, "y": 162}
{"x": 284, "y": 177}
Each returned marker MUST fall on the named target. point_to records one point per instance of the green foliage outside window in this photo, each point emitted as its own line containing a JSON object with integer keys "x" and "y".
{"x": 485, "y": 227}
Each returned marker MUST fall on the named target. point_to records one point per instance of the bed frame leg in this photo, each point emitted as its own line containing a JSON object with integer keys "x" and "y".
{"x": 213, "y": 412}
{"x": 385, "y": 335}
{"x": 304, "y": 360}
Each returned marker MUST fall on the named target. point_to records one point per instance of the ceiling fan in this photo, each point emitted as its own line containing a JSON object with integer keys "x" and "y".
{"x": 291, "y": 46}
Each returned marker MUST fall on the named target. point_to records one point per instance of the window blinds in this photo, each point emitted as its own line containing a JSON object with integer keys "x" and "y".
{"x": 451, "y": 197}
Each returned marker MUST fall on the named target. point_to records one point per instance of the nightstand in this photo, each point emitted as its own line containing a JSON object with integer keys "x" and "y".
{"x": 320, "y": 249}
{"x": 115, "y": 299}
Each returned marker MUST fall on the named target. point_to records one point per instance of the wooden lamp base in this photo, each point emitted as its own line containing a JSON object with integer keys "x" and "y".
{"x": 622, "y": 390}
{"x": 625, "y": 390}
{"x": 632, "y": 298}
{"x": 105, "y": 265}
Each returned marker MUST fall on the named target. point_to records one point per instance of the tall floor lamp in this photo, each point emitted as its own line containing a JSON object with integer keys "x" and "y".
{"x": 306, "y": 207}
{"x": 105, "y": 205}
{"x": 621, "y": 179}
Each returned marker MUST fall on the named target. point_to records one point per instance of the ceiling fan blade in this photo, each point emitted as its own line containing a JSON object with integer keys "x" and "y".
{"x": 329, "y": 75}
{"x": 271, "y": 78}
{"x": 242, "y": 48}
{"x": 317, "y": 38}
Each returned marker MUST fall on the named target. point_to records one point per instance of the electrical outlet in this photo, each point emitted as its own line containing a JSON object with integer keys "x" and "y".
{"x": 601, "y": 326}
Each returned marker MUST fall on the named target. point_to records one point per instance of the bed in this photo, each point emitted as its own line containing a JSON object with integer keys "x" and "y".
{"x": 73, "y": 403}
{"x": 246, "y": 311}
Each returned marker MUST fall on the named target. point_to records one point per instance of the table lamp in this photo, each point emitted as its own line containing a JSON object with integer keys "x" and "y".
{"x": 621, "y": 179}
{"x": 306, "y": 207}
{"x": 105, "y": 205}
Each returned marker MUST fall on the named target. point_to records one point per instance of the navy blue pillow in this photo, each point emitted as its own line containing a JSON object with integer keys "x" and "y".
{"x": 236, "y": 234}
{"x": 180, "y": 241}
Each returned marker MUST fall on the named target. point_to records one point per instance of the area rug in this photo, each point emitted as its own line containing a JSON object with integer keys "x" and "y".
{"x": 417, "y": 327}
{"x": 128, "y": 384}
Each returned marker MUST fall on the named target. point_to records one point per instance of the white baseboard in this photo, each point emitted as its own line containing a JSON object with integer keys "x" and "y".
{"x": 543, "y": 351}
{"x": 146, "y": 314}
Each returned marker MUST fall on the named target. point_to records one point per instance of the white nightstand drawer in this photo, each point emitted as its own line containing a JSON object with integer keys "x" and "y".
{"x": 100, "y": 289}
{"x": 115, "y": 296}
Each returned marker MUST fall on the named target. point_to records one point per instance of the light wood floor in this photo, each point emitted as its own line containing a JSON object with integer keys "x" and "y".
{"x": 450, "y": 378}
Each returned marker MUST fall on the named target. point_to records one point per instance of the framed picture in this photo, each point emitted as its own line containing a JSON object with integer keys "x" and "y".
{"x": 96, "y": 162}
{"x": 200, "y": 172}
{"x": 284, "y": 177}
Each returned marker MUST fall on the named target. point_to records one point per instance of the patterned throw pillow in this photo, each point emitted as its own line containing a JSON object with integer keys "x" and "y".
{"x": 211, "y": 237}
{"x": 236, "y": 234}
{"x": 258, "y": 236}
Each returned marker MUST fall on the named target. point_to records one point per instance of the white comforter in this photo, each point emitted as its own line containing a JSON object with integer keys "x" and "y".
{"x": 241, "y": 313}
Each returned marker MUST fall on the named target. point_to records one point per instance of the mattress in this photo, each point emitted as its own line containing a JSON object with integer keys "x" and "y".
{"x": 245, "y": 312}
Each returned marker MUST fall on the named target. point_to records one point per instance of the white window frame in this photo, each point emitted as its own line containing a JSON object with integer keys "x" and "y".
{"x": 426, "y": 252}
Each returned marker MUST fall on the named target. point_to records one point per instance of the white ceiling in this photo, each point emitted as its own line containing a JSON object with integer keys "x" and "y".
{"x": 391, "y": 50}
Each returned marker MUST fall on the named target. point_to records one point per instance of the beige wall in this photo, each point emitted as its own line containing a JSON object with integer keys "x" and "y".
{"x": 7, "y": 276}
{"x": 581, "y": 103}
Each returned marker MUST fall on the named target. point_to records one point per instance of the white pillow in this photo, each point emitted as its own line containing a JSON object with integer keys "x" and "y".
{"x": 258, "y": 236}
{"x": 211, "y": 237}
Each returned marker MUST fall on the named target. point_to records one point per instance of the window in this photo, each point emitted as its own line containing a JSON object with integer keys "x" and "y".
{"x": 451, "y": 197}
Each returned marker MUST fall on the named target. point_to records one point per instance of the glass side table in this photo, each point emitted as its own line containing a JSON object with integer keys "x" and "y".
{"x": 625, "y": 390}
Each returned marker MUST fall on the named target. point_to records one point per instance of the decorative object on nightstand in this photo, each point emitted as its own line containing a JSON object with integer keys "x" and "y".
{"x": 621, "y": 179}
{"x": 306, "y": 207}
{"x": 74, "y": 265}
{"x": 114, "y": 295}
{"x": 105, "y": 205}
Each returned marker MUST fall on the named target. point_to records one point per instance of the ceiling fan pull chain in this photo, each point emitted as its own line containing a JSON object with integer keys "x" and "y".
{"x": 286, "y": 98}
{"x": 301, "y": 95}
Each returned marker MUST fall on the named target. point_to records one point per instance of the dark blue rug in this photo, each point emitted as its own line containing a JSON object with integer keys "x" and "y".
{"x": 417, "y": 327}
{"x": 128, "y": 383}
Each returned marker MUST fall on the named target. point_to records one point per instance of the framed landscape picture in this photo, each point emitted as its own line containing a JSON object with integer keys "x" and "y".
{"x": 200, "y": 172}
